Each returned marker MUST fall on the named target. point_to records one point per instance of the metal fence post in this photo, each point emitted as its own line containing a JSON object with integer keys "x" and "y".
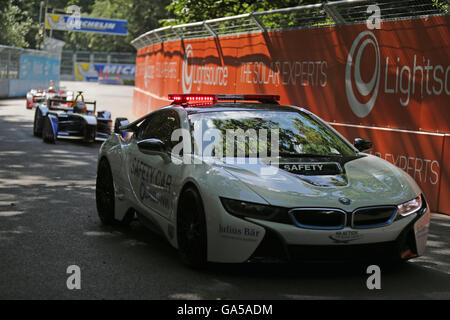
{"x": 74, "y": 61}
{"x": 158, "y": 37}
{"x": 258, "y": 22}
{"x": 9, "y": 64}
{"x": 333, "y": 13}
{"x": 209, "y": 29}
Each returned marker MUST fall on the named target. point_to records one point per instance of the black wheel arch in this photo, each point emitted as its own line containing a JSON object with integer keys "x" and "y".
{"x": 187, "y": 185}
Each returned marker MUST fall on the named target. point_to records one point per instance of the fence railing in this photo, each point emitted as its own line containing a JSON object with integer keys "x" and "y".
{"x": 307, "y": 16}
{"x": 10, "y": 60}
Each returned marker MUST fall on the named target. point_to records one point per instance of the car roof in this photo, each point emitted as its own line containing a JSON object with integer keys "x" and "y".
{"x": 239, "y": 106}
{"x": 219, "y": 107}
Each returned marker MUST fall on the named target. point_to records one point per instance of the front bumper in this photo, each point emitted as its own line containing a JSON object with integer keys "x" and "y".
{"x": 408, "y": 243}
{"x": 232, "y": 239}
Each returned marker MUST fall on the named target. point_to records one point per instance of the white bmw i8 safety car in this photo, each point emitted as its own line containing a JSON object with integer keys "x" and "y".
{"x": 316, "y": 197}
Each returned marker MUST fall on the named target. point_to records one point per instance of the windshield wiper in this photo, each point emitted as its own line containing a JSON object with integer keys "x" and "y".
{"x": 307, "y": 155}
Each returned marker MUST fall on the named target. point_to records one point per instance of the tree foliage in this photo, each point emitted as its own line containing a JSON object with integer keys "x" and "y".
{"x": 19, "y": 22}
{"x": 187, "y": 11}
{"x": 19, "y": 19}
{"x": 15, "y": 24}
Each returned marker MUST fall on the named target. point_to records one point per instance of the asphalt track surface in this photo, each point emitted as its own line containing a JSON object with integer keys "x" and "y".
{"x": 48, "y": 221}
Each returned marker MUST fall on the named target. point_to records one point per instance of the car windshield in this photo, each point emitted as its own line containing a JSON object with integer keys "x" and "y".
{"x": 299, "y": 134}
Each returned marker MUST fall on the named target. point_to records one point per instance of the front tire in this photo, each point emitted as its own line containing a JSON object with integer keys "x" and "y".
{"x": 104, "y": 193}
{"x": 38, "y": 122}
{"x": 191, "y": 229}
{"x": 47, "y": 132}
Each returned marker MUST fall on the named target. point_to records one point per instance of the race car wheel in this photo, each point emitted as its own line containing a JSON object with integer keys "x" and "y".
{"x": 89, "y": 133}
{"x": 104, "y": 193}
{"x": 191, "y": 229}
{"x": 47, "y": 131}
{"x": 37, "y": 125}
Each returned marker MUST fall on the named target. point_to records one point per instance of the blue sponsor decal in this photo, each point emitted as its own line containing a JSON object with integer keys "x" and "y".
{"x": 105, "y": 71}
{"x": 127, "y": 70}
{"x": 84, "y": 24}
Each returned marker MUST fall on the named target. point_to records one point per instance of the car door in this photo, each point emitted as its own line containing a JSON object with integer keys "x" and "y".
{"x": 154, "y": 176}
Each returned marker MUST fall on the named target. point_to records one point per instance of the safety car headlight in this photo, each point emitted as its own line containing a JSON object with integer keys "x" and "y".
{"x": 244, "y": 209}
{"x": 410, "y": 207}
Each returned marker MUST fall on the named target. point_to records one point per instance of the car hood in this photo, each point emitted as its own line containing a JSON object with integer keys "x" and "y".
{"x": 365, "y": 181}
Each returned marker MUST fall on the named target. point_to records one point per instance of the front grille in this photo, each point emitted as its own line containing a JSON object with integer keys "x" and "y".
{"x": 316, "y": 218}
{"x": 373, "y": 217}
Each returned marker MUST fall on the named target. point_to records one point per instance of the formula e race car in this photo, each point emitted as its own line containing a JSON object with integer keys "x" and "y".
{"x": 36, "y": 97}
{"x": 316, "y": 197}
{"x": 60, "y": 119}
{"x": 66, "y": 97}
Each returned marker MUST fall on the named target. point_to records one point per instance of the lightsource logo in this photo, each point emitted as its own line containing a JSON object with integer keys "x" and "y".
{"x": 187, "y": 74}
{"x": 362, "y": 102}
{"x": 200, "y": 75}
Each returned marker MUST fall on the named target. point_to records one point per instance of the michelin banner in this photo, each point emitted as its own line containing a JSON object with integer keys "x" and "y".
{"x": 116, "y": 73}
{"x": 82, "y": 24}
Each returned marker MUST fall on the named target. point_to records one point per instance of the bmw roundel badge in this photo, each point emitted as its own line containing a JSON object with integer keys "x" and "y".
{"x": 345, "y": 201}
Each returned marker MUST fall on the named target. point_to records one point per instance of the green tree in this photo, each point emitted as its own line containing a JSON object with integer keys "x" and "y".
{"x": 15, "y": 24}
{"x": 186, "y": 11}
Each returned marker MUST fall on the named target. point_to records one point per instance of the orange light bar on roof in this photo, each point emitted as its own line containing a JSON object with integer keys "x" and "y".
{"x": 212, "y": 98}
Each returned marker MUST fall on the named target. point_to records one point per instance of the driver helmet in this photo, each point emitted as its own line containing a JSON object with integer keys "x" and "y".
{"x": 80, "y": 107}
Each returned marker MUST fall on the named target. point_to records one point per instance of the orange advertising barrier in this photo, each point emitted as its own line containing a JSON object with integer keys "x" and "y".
{"x": 395, "y": 77}
{"x": 444, "y": 192}
{"x": 417, "y": 153}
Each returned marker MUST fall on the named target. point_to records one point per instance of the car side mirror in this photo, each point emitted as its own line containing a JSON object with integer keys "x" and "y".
{"x": 154, "y": 147}
{"x": 362, "y": 145}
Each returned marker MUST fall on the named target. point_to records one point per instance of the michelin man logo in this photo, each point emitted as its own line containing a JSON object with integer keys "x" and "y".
{"x": 368, "y": 91}
{"x": 187, "y": 74}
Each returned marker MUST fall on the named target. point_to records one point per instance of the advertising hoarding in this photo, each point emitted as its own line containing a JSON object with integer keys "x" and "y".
{"x": 360, "y": 80}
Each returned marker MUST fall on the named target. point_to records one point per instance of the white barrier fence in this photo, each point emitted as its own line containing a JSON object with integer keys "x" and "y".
{"x": 24, "y": 69}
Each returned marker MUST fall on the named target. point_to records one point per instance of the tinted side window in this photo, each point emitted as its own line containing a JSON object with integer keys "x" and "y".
{"x": 141, "y": 133}
{"x": 160, "y": 126}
